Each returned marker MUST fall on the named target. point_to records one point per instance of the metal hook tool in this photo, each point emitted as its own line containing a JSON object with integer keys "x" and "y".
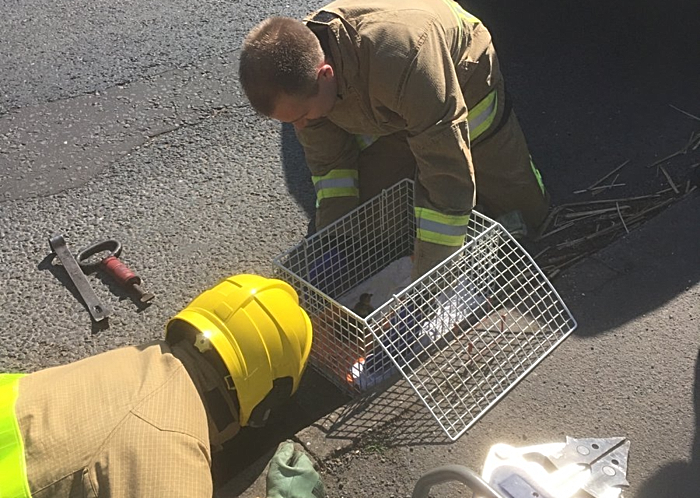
{"x": 114, "y": 267}
{"x": 97, "y": 310}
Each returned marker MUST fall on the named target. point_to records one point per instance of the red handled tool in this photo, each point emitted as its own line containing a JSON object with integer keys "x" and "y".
{"x": 113, "y": 266}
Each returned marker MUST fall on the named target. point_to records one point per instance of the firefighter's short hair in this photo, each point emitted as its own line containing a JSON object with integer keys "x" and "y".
{"x": 279, "y": 56}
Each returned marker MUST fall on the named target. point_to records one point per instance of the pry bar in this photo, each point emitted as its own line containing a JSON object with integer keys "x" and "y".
{"x": 97, "y": 310}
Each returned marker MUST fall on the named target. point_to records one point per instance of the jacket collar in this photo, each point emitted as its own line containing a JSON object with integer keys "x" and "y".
{"x": 338, "y": 42}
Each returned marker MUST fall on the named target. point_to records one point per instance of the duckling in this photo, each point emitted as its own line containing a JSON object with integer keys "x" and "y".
{"x": 363, "y": 306}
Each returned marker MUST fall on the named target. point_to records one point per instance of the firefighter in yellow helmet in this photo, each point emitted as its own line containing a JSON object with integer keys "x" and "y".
{"x": 141, "y": 421}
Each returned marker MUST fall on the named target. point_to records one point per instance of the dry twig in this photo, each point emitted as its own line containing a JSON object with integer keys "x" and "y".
{"x": 548, "y": 220}
{"x": 697, "y": 144}
{"x": 619, "y": 213}
{"x": 611, "y": 185}
{"x": 670, "y": 181}
{"x": 589, "y": 237}
{"x": 541, "y": 252}
{"x": 570, "y": 224}
{"x": 690, "y": 143}
{"x": 605, "y": 188}
{"x": 684, "y": 112}
{"x": 580, "y": 214}
{"x": 609, "y": 174}
{"x": 609, "y": 201}
{"x": 677, "y": 153}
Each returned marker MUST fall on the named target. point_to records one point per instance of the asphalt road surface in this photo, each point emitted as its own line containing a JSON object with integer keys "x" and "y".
{"x": 125, "y": 119}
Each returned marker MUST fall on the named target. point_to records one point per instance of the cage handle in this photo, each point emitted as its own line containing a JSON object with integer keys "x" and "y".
{"x": 449, "y": 473}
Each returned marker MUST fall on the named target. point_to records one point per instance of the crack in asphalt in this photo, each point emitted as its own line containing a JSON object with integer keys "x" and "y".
{"x": 52, "y": 147}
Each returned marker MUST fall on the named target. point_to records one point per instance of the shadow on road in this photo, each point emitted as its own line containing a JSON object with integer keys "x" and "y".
{"x": 392, "y": 417}
{"x": 637, "y": 274}
{"x": 246, "y": 455}
{"x": 296, "y": 173}
{"x": 681, "y": 478}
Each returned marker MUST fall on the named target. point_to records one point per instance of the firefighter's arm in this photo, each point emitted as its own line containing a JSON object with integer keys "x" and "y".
{"x": 433, "y": 106}
{"x": 151, "y": 461}
{"x": 331, "y": 155}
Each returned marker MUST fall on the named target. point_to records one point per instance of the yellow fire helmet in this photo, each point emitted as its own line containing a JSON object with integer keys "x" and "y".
{"x": 260, "y": 333}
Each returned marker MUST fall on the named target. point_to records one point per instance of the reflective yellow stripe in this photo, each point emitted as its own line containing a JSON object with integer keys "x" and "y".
{"x": 481, "y": 116}
{"x": 439, "y": 228}
{"x": 365, "y": 141}
{"x": 538, "y": 175}
{"x": 328, "y": 193}
{"x": 337, "y": 183}
{"x": 466, "y": 16}
{"x": 451, "y": 4}
{"x": 13, "y": 467}
{"x": 461, "y": 15}
{"x": 336, "y": 173}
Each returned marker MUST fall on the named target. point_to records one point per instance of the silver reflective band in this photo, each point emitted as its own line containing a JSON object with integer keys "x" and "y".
{"x": 434, "y": 226}
{"x": 336, "y": 183}
{"x": 479, "y": 119}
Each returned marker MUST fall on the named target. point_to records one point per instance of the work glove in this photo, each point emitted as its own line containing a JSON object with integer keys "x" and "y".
{"x": 426, "y": 255}
{"x": 514, "y": 223}
{"x": 292, "y": 475}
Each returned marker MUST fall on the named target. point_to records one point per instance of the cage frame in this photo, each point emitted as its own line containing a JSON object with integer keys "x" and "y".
{"x": 399, "y": 356}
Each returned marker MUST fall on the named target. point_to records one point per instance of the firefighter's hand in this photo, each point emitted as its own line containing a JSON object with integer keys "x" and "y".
{"x": 292, "y": 475}
{"x": 426, "y": 255}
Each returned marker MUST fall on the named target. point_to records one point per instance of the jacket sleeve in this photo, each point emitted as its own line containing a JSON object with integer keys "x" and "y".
{"x": 431, "y": 102}
{"x": 150, "y": 461}
{"x": 331, "y": 155}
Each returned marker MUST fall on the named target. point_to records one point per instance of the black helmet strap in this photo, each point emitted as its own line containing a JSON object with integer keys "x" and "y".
{"x": 281, "y": 392}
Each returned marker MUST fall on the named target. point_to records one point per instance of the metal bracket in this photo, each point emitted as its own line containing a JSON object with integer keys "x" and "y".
{"x": 97, "y": 310}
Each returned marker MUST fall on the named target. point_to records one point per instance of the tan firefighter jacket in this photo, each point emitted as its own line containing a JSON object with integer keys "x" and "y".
{"x": 126, "y": 423}
{"x": 403, "y": 66}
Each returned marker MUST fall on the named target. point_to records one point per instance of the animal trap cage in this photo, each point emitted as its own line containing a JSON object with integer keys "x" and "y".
{"x": 462, "y": 335}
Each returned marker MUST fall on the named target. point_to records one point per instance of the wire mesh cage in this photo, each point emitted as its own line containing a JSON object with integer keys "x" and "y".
{"x": 462, "y": 335}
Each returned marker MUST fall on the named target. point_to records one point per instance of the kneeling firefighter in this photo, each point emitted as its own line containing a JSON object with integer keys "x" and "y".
{"x": 142, "y": 421}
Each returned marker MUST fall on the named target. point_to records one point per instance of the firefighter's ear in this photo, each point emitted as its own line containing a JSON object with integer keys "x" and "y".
{"x": 326, "y": 72}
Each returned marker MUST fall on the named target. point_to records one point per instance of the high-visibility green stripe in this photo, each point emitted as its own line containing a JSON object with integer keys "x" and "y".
{"x": 328, "y": 193}
{"x": 538, "y": 175}
{"x": 445, "y": 219}
{"x": 336, "y": 173}
{"x": 438, "y": 238}
{"x": 461, "y": 15}
{"x": 470, "y": 18}
{"x": 13, "y": 467}
{"x": 336, "y": 183}
{"x": 481, "y": 116}
{"x": 451, "y": 4}
{"x": 439, "y": 228}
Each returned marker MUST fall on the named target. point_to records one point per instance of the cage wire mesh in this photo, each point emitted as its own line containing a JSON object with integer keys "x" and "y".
{"x": 462, "y": 335}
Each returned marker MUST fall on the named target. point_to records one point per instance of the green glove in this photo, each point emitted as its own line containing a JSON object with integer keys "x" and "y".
{"x": 292, "y": 475}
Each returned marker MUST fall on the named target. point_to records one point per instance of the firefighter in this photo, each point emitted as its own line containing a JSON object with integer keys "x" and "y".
{"x": 382, "y": 90}
{"x": 142, "y": 421}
